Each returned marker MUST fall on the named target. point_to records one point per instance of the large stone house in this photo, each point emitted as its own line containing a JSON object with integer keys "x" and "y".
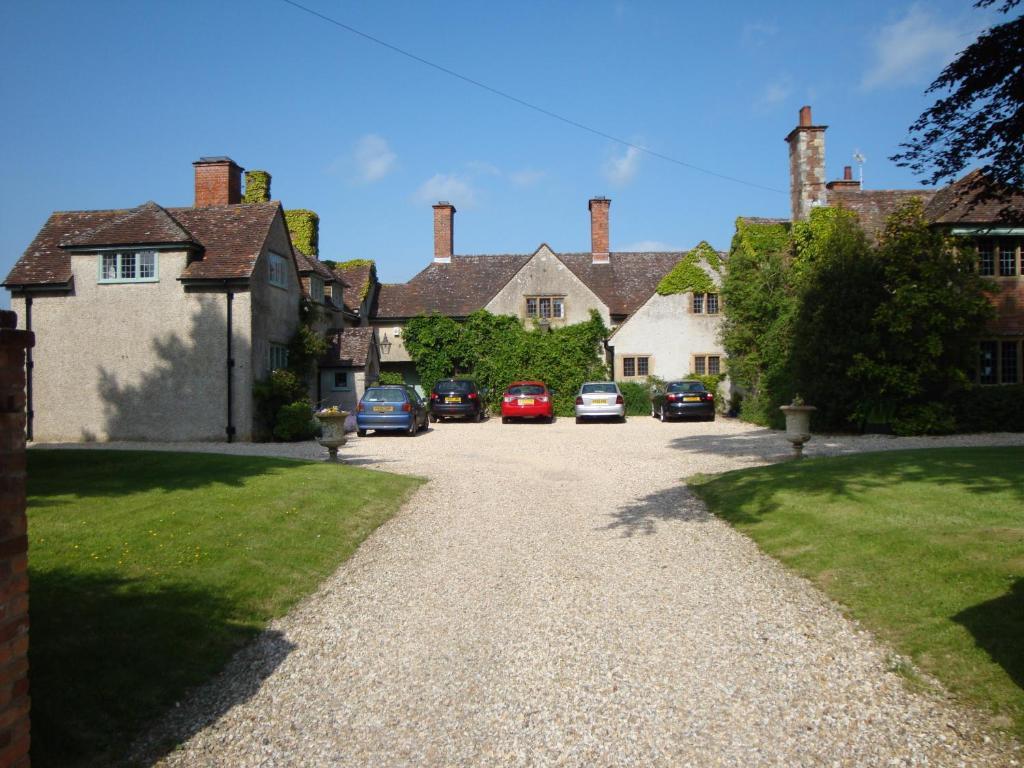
{"x": 155, "y": 323}
{"x": 651, "y": 334}
{"x": 994, "y": 226}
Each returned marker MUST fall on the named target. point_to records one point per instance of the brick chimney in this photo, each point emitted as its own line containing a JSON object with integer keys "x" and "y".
{"x": 444, "y": 232}
{"x": 806, "y": 166}
{"x": 599, "y": 229}
{"x": 218, "y": 181}
{"x": 847, "y": 182}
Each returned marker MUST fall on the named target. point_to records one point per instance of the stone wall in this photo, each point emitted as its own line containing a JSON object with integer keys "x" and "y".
{"x": 14, "y": 696}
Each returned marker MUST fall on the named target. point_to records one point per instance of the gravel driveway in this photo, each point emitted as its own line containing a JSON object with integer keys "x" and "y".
{"x": 555, "y": 596}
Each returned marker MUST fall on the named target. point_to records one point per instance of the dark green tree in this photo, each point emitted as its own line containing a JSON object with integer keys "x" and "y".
{"x": 982, "y": 115}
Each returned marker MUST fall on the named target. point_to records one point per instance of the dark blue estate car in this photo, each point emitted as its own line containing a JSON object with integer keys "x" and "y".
{"x": 396, "y": 408}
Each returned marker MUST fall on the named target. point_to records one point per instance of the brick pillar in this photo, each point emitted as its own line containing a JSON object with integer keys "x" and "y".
{"x": 599, "y": 229}
{"x": 444, "y": 232}
{"x": 806, "y": 166}
{"x": 218, "y": 181}
{"x": 14, "y": 699}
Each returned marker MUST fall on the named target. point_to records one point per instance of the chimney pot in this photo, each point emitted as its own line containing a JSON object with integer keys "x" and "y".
{"x": 444, "y": 232}
{"x": 599, "y": 229}
{"x": 805, "y": 116}
{"x": 218, "y": 181}
{"x": 847, "y": 173}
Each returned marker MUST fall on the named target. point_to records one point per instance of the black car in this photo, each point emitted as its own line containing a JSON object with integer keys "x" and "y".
{"x": 683, "y": 398}
{"x": 456, "y": 397}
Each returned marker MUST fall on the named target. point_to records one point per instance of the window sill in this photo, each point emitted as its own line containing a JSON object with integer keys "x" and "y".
{"x": 129, "y": 281}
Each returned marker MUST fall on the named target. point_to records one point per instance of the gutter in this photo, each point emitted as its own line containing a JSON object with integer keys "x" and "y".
{"x": 29, "y": 413}
{"x": 230, "y": 429}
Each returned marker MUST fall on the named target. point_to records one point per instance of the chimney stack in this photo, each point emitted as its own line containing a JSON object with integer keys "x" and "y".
{"x": 847, "y": 173}
{"x": 847, "y": 182}
{"x": 444, "y": 232}
{"x": 806, "y": 166}
{"x": 218, "y": 182}
{"x": 599, "y": 229}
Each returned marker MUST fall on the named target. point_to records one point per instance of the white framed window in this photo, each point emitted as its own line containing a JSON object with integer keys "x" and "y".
{"x": 1007, "y": 258}
{"x": 316, "y": 289}
{"x": 340, "y": 381}
{"x": 636, "y": 365}
{"x": 545, "y": 306}
{"x": 128, "y": 267}
{"x": 986, "y": 259}
{"x": 278, "y": 269}
{"x": 277, "y": 356}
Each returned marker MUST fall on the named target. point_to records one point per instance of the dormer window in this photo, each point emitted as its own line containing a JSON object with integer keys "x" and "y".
{"x": 316, "y": 289}
{"x": 128, "y": 267}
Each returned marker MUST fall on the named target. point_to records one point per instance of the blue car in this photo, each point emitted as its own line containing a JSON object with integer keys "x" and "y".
{"x": 395, "y": 408}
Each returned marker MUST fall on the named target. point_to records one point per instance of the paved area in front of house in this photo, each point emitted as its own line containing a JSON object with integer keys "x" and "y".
{"x": 555, "y": 596}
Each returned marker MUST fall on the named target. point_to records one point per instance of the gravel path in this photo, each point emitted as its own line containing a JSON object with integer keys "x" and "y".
{"x": 543, "y": 603}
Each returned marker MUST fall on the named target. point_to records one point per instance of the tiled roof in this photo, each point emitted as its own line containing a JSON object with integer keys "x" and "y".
{"x": 311, "y": 264}
{"x": 348, "y": 347}
{"x": 874, "y": 206}
{"x": 148, "y": 224}
{"x": 964, "y": 202}
{"x": 231, "y": 238}
{"x": 456, "y": 289}
{"x": 627, "y": 280}
{"x": 356, "y": 279}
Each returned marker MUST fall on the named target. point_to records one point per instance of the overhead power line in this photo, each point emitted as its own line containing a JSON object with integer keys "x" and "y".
{"x": 527, "y": 104}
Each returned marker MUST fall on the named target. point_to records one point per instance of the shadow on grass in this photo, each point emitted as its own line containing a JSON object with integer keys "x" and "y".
{"x": 998, "y": 628}
{"x": 120, "y": 473}
{"x": 752, "y": 494}
{"x": 108, "y": 655}
{"x": 642, "y": 517}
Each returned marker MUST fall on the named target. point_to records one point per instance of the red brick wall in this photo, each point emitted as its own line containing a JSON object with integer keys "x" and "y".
{"x": 599, "y": 229}
{"x": 218, "y": 183}
{"x": 1008, "y": 298}
{"x": 444, "y": 231}
{"x": 14, "y": 698}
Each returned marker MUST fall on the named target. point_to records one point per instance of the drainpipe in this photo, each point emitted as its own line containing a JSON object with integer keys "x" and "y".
{"x": 28, "y": 370}
{"x": 230, "y": 367}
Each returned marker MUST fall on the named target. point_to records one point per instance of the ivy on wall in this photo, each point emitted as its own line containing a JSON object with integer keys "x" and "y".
{"x": 257, "y": 187}
{"x": 691, "y": 273}
{"x": 304, "y": 226}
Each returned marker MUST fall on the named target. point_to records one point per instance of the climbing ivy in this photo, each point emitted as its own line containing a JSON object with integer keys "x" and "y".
{"x": 341, "y": 266}
{"x": 689, "y": 274}
{"x": 257, "y": 187}
{"x": 304, "y": 227}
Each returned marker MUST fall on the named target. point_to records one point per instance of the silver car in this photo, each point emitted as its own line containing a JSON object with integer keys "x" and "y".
{"x": 600, "y": 399}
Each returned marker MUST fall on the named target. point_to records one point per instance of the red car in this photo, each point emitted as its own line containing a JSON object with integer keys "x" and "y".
{"x": 527, "y": 400}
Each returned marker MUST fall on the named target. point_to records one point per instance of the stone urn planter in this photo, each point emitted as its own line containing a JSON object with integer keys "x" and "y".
{"x": 332, "y": 422}
{"x": 798, "y": 425}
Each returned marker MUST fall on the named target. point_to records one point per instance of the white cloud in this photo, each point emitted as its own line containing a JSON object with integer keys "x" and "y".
{"x": 776, "y": 92}
{"x": 447, "y": 186}
{"x": 911, "y": 48}
{"x": 374, "y": 158}
{"x": 642, "y": 246}
{"x": 621, "y": 169}
{"x": 526, "y": 177}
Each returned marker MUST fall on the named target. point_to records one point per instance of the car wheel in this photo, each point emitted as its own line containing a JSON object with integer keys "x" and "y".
{"x": 711, "y": 417}
{"x": 361, "y": 432}
{"x": 551, "y": 419}
{"x": 504, "y": 419}
{"x": 413, "y": 428}
{"x": 622, "y": 419}
{"x": 661, "y": 414}
{"x": 433, "y": 418}
{"x": 579, "y": 420}
{"x": 480, "y": 415}
{"x": 654, "y": 414}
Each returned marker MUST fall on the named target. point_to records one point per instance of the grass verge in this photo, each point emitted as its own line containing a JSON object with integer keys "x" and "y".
{"x": 149, "y": 569}
{"x": 926, "y": 548}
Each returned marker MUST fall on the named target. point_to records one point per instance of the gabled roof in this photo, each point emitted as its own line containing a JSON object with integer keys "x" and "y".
{"x": 874, "y": 206}
{"x": 627, "y": 280}
{"x": 971, "y": 200}
{"x": 227, "y": 239}
{"x": 348, "y": 347}
{"x": 456, "y": 289}
{"x": 148, "y": 224}
{"x": 355, "y": 277}
{"x": 311, "y": 265}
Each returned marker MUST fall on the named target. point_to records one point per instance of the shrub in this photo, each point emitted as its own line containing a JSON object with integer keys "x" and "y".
{"x": 991, "y": 409}
{"x": 637, "y": 396}
{"x": 390, "y": 378}
{"x": 295, "y": 422}
{"x": 924, "y": 419}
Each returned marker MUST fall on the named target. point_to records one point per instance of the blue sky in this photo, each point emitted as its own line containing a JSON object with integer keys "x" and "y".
{"x": 108, "y": 103}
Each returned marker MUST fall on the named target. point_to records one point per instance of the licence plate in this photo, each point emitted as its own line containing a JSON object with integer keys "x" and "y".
{"x": 526, "y": 401}
{"x": 453, "y": 399}
{"x": 599, "y": 402}
{"x": 691, "y": 399}
{"x": 383, "y": 408}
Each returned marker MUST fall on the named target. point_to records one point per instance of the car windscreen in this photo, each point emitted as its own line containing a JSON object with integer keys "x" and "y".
{"x": 686, "y": 386}
{"x": 385, "y": 395}
{"x": 454, "y": 385}
{"x": 603, "y": 387}
{"x": 526, "y": 389}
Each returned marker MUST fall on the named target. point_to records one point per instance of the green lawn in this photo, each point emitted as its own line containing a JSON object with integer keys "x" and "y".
{"x": 148, "y": 570}
{"x": 926, "y": 548}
